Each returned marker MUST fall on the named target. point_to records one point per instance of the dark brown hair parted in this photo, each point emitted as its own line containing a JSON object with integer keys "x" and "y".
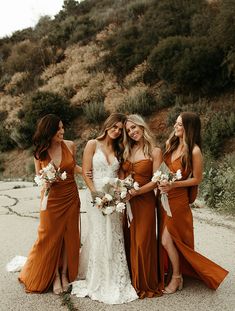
{"x": 192, "y": 129}
{"x": 113, "y": 119}
{"x": 47, "y": 127}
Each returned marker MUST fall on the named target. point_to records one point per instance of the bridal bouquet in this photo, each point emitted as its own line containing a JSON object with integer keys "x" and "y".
{"x": 113, "y": 194}
{"x": 48, "y": 174}
{"x": 163, "y": 175}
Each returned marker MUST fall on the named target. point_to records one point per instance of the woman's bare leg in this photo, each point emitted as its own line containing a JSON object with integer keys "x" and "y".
{"x": 172, "y": 252}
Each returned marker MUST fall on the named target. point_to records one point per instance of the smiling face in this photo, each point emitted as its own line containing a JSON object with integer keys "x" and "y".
{"x": 134, "y": 131}
{"x": 179, "y": 128}
{"x": 59, "y": 136}
{"x": 115, "y": 131}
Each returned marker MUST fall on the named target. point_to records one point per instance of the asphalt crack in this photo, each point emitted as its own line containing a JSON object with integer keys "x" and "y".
{"x": 11, "y": 211}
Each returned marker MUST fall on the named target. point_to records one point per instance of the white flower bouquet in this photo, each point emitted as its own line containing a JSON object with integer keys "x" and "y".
{"x": 48, "y": 175}
{"x": 163, "y": 176}
{"x": 113, "y": 194}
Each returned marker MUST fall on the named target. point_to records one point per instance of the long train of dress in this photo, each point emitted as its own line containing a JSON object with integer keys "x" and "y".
{"x": 102, "y": 260}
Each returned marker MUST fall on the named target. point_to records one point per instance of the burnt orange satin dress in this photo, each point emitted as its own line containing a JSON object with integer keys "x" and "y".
{"x": 140, "y": 237}
{"x": 180, "y": 227}
{"x": 58, "y": 229}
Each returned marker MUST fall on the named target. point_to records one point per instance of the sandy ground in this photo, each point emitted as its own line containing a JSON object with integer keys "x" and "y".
{"x": 19, "y": 203}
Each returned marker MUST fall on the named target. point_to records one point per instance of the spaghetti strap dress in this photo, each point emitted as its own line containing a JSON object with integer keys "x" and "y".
{"x": 140, "y": 236}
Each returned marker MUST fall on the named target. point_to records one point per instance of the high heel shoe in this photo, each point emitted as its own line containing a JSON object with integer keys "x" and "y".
{"x": 168, "y": 290}
{"x": 65, "y": 282}
{"x": 57, "y": 289}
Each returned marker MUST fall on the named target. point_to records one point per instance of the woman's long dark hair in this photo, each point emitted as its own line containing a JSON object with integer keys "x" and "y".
{"x": 108, "y": 124}
{"x": 47, "y": 127}
{"x": 192, "y": 136}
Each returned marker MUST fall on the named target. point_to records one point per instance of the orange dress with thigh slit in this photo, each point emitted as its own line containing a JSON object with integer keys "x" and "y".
{"x": 58, "y": 229}
{"x": 180, "y": 227}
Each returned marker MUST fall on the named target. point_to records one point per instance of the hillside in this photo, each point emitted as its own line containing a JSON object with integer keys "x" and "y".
{"x": 151, "y": 57}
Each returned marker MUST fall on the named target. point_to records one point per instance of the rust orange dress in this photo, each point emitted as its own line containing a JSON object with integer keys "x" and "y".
{"x": 140, "y": 237}
{"x": 180, "y": 226}
{"x": 58, "y": 228}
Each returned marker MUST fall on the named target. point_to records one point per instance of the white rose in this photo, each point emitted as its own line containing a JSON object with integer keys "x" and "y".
{"x": 108, "y": 197}
{"x": 108, "y": 210}
{"x": 50, "y": 175}
{"x": 178, "y": 174}
{"x": 120, "y": 207}
{"x": 123, "y": 194}
{"x": 136, "y": 186}
{"x": 63, "y": 175}
{"x": 38, "y": 180}
{"x": 98, "y": 201}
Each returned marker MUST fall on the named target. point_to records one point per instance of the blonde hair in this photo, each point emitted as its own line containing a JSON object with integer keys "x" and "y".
{"x": 149, "y": 141}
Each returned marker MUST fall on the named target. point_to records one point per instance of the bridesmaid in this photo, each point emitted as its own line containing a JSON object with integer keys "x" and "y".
{"x": 183, "y": 151}
{"x": 56, "y": 249}
{"x": 141, "y": 158}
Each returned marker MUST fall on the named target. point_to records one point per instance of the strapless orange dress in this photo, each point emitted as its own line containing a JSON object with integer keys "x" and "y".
{"x": 58, "y": 229}
{"x": 140, "y": 237}
{"x": 180, "y": 226}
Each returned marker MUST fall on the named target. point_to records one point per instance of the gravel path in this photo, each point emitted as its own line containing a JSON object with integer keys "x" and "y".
{"x": 19, "y": 202}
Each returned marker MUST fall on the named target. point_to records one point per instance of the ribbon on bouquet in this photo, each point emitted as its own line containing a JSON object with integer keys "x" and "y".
{"x": 165, "y": 204}
{"x": 44, "y": 200}
{"x": 109, "y": 236}
{"x": 129, "y": 214}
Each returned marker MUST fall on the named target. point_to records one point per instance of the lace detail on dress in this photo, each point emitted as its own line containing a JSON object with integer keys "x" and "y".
{"x": 106, "y": 280}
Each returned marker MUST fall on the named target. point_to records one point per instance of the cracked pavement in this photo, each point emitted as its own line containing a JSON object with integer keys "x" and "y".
{"x": 19, "y": 217}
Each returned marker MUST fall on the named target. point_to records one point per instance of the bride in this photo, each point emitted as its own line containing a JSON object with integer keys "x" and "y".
{"x": 106, "y": 272}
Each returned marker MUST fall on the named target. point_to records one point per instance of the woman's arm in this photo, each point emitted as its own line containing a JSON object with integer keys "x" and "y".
{"x": 37, "y": 166}
{"x": 72, "y": 147}
{"x": 196, "y": 173}
{"x": 87, "y": 163}
{"x": 157, "y": 160}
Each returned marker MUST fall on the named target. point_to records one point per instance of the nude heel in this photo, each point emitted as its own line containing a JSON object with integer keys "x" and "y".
{"x": 168, "y": 290}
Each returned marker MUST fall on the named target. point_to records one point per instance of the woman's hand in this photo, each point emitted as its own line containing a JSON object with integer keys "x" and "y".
{"x": 133, "y": 192}
{"x": 165, "y": 186}
{"x": 89, "y": 174}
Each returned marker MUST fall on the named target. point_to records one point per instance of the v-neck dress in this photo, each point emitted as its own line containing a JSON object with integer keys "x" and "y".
{"x": 180, "y": 227}
{"x": 58, "y": 229}
{"x": 103, "y": 271}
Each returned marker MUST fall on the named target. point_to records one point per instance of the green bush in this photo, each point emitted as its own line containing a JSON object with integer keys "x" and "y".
{"x": 191, "y": 64}
{"x": 95, "y": 112}
{"x": 219, "y": 126}
{"x": 6, "y": 142}
{"x": 217, "y": 187}
{"x": 143, "y": 103}
{"x": 40, "y": 104}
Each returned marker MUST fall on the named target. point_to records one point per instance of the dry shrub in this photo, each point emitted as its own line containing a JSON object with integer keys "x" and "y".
{"x": 16, "y": 82}
{"x": 11, "y": 104}
{"x": 136, "y": 75}
{"x": 114, "y": 99}
{"x": 106, "y": 33}
{"x": 54, "y": 70}
{"x": 77, "y": 76}
{"x": 55, "y": 85}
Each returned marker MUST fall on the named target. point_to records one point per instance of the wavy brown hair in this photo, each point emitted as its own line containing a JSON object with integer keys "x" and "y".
{"x": 192, "y": 136}
{"x": 149, "y": 142}
{"x": 47, "y": 127}
{"x": 113, "y": 119}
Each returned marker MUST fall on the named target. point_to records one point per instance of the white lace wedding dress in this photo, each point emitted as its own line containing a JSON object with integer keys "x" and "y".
{"x": 103, "y": 262}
